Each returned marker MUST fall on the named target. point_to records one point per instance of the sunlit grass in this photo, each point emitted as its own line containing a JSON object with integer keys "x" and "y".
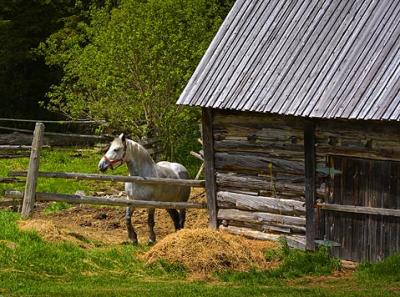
{"x": 62, "y": 160}
{"x": 30, "y": 266}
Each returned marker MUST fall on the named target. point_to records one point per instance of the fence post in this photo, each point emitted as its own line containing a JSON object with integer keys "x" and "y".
{"x": 33, "y": 169}
{"x": 209, "y": 167}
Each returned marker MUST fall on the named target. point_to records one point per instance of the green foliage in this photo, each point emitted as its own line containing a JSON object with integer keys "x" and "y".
{"x": 297, "y": 263}
{"x": 280, "y": 253}
{"x": 386, "y": 271}
{"x": 24, "y": 77}
{"x": 294, "y": 263}
{"x": 56, "y": 207}
{"x": 129, "y": 64}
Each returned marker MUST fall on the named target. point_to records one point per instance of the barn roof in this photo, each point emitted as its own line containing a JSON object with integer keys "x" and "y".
{"x": 316, "y": 58}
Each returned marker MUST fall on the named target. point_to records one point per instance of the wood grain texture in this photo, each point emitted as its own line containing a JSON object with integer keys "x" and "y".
{"x": 260, "y": 203}
{"x": 310, "y": 184}
{"x": 78, "y": 199}
{"x": 33, "y": 169}
{"x": 209, "y": 167}
{"x": 362, "y": 213}
{"x": 294, "y": 241}
{"x": 114, "y": 178}
{"x": 262, "y": 217}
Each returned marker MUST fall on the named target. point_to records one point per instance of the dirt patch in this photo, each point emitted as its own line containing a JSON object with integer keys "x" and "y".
{"x": 205, "y": 251}
{"x": 93, "y": 226}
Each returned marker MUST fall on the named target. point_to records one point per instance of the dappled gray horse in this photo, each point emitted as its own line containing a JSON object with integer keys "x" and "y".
{"x": 140, "y": 163}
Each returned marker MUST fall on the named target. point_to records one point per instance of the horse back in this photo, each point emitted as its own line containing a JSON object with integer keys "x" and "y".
{"x": 172, "y": 170}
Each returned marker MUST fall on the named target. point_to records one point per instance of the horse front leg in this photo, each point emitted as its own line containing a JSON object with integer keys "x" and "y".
{"x": 150, "y": 223}
{"x": 128, "y": 221}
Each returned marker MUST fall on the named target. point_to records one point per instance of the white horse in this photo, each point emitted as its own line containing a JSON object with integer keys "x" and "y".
{"x": 140, "y": 163}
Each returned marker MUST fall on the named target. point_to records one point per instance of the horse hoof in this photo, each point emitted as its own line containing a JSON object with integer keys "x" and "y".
{"x": 130, "y": 242}
{"x": 151, "y": 242}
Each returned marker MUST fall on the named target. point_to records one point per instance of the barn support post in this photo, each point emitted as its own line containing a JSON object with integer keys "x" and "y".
{"x": 209, "y": 167}
{"x": 309, "y": 173}
{"x": 33, "y": 169}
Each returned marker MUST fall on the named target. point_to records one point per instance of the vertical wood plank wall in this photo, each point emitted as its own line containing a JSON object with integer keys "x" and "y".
{"x": 365, "y": 157}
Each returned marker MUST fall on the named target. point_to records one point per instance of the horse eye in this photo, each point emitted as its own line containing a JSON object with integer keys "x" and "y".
{"x": 116, "y": 150}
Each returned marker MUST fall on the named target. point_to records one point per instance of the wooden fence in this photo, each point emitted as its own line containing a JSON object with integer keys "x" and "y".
{"x": 18, "y": 135}
{"x": 30, "y": 196}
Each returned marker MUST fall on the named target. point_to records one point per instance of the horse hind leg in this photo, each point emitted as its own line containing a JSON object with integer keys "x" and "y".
{"x": 182, "y": 218}
{"x": 150, "y": 223}
{"x": 175, "y": 218}
{"x": 128, "y": 221}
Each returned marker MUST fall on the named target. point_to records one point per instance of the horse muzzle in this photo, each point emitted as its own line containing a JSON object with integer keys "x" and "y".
{"x": 103, "y": 165}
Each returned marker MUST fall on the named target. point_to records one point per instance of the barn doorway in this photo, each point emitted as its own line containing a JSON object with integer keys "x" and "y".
{"x": 369, "y": 184}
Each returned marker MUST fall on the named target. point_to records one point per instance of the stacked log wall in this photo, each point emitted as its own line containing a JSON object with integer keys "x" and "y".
{"x": 259, "y": 166}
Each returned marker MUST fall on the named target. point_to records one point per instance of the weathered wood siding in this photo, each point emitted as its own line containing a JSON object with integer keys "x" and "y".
{"x": 259, "y": 171}
{"x": 259, "y": 164}
{"x": 365, "y": 157}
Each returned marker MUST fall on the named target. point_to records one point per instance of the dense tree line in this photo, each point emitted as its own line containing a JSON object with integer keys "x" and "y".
{"x": 24, "y": 77}
{"x": 124, "y": 61}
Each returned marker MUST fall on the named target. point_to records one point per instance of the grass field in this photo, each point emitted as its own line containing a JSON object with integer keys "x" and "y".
{"x": 65, "y": 160}
{"x": 30, "y": 266}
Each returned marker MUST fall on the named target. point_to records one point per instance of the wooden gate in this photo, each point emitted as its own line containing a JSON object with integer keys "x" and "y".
{"x": 361, "y": 213}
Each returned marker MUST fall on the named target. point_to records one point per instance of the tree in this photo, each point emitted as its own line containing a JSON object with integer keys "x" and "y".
{"x": 129, "y": 64}
{"x": 24, "y": 77}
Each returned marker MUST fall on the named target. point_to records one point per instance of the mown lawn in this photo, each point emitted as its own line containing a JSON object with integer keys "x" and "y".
{"x": 63, "y": 160}
{"x": 30, "y": 266}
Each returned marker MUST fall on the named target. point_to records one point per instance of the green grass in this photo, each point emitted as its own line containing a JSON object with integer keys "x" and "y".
{"x": 68, "y": 160}
{"x": 64, "y": 160}
{"x": 293, "y": 263}
{"x": 387, "y": 271}
{"x": 30, "y": 266}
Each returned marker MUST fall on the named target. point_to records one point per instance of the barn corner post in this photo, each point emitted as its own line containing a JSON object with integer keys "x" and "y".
{"x": 33, "y": 169}
{"x": 309, "y": 173}
{"x": 209, "y": 168}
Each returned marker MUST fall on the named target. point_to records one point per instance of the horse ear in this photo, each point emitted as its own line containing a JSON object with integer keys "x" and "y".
{"x": 122, "y": 137}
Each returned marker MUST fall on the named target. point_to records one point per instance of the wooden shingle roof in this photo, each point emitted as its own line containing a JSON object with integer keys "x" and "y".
{"x": 309, "y": 58}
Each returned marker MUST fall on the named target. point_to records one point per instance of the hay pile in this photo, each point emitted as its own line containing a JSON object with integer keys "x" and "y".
{"x": 46, "y": 229}
{"x": 50, "y": 232}
{"x": 204, "y": 251}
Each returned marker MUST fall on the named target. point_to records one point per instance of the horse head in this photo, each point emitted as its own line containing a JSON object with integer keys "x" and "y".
{"x": 115, "y": 155}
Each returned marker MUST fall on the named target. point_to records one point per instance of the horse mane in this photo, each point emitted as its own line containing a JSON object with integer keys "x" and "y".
{"x": 140, "y": 150}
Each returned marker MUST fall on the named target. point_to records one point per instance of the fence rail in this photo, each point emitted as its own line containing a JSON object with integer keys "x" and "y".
{"x": 19, "y": 147}
{"x": 85, "y": 122}
{"x": 30, "y": 195}
{"x": 79, "y": 199}
{"x": 99, "y": 137}
{"x": 115, "y": 178}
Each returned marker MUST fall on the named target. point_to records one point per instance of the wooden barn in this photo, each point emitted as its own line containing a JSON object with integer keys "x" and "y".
{"x": 301, "y": 111}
